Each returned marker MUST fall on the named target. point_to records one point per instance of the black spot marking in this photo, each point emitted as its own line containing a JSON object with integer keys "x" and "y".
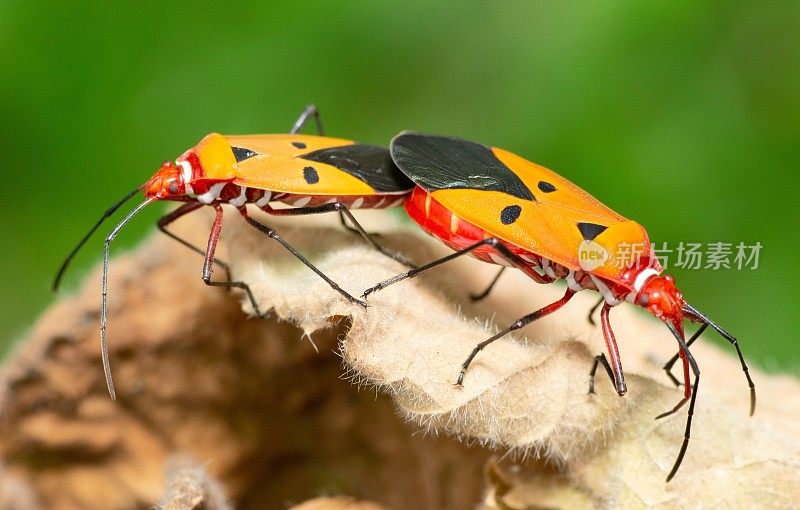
{"x": 299, "y": 145}
{"x": 509, "y": 214}
{"x": 591, "y": 230}
{"x": 310, "y": 175}
{"x": 242, "y": 154}
{"x": 440, "y": 162}
{"x": 546, "y": 187}
{"x": 368, "y": 163}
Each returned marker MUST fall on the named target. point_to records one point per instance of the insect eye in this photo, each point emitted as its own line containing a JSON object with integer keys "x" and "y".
{"x": 173, "y": 188}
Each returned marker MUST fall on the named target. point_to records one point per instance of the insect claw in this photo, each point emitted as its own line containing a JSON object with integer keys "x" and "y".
{"x": 354, "y": 301}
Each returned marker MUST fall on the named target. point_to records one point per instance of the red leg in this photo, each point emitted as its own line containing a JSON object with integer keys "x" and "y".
{"x": 213, "y": 239}
{"x": 687, "y": 386}
{"x": 613, "y": 351}
{"x": 208, "y": 264}
{"x": 519, "y": 323}
{"x": 181, "y": 211}
{"x": 690, "y": 393}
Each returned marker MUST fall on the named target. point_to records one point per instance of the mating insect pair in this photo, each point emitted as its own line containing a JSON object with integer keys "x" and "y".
{"x": 314, "y": 174}
{"x": 480, "y": 201}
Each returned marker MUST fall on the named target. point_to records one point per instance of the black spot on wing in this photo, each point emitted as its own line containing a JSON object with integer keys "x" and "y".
{"x": 310, "y": 175}
{"x": 440, "y": 162}
{"x": 546, "y": 187}
{"x": 369, "y": 163}
{"x": 242, "y": 154}
{"x": 509, "y": 214}
{"x": 591, "y": 230}
{"x": 299, "y": 145}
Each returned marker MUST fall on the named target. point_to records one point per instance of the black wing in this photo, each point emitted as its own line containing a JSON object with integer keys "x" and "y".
{"x": 369, "y": 163}
{"x": 439, "y": 162}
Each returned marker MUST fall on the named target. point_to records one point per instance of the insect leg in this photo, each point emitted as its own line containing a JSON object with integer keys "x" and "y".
{"x": 598, "y": 360}
{"x": 370, "y": 238}
{"x": 668, "y": 365}
{"x": 303, "y": 119}
{"x": 177, "y": 213}
{"x": 415, "y": 272}
{"x": 342, "y": 209}
{"x": 688, "y": 430}
{"x": 688, "y": 361}
{"x": 491, "y": 241}
{"x": 613, "y": 352}
{"x": 272, "y": 234}
{"x": 208, "y": 264}
{"x": 346, "y": 226}
{"x": 687, "y": 392}
{"x": 590, "y": 318}
{"x": 519, "y": 262}
{"x": 478, "y": 297}
{"x": 519, "y": 323}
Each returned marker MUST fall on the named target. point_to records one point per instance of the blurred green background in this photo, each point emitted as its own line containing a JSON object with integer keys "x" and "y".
{"x": 684, "y": 116}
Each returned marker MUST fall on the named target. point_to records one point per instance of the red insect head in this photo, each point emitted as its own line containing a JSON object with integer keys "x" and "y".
{"x": 166, "y": 183}
{"x": 661, "y": 297}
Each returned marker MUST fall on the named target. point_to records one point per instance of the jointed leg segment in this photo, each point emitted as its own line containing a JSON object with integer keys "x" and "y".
{"x": 213, "y": 238}
{"x": 184, "y": 209}
{"x": 310, "y": 111}
{"x": 519, "y": 323}
{"x": 344, "y": 212}
{"x": 272, "y": 234}
{"x": 482, "y": 295}
{"x": 495, "y": 243}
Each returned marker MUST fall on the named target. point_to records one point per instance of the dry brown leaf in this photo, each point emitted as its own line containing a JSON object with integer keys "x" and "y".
{"x": 271, "y": 420}
{"x": 531, "y": 398}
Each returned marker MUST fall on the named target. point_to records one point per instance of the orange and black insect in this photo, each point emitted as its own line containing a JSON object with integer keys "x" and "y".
{"x": 500, "y": 208}
{"x": 313, "y": 174}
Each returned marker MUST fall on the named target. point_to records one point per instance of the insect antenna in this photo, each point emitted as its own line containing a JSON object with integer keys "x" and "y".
{"x": 111, "y": 210}
{"x": 104, "y": 306}
{"x": 689, "y": 309}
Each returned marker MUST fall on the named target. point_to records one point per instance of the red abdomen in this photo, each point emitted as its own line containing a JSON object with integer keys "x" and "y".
{"x": 458, "y": 234}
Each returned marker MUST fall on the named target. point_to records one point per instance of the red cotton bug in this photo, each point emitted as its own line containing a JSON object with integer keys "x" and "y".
{"x": 502, "y": 209}
{"x": 314, "y": 174}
